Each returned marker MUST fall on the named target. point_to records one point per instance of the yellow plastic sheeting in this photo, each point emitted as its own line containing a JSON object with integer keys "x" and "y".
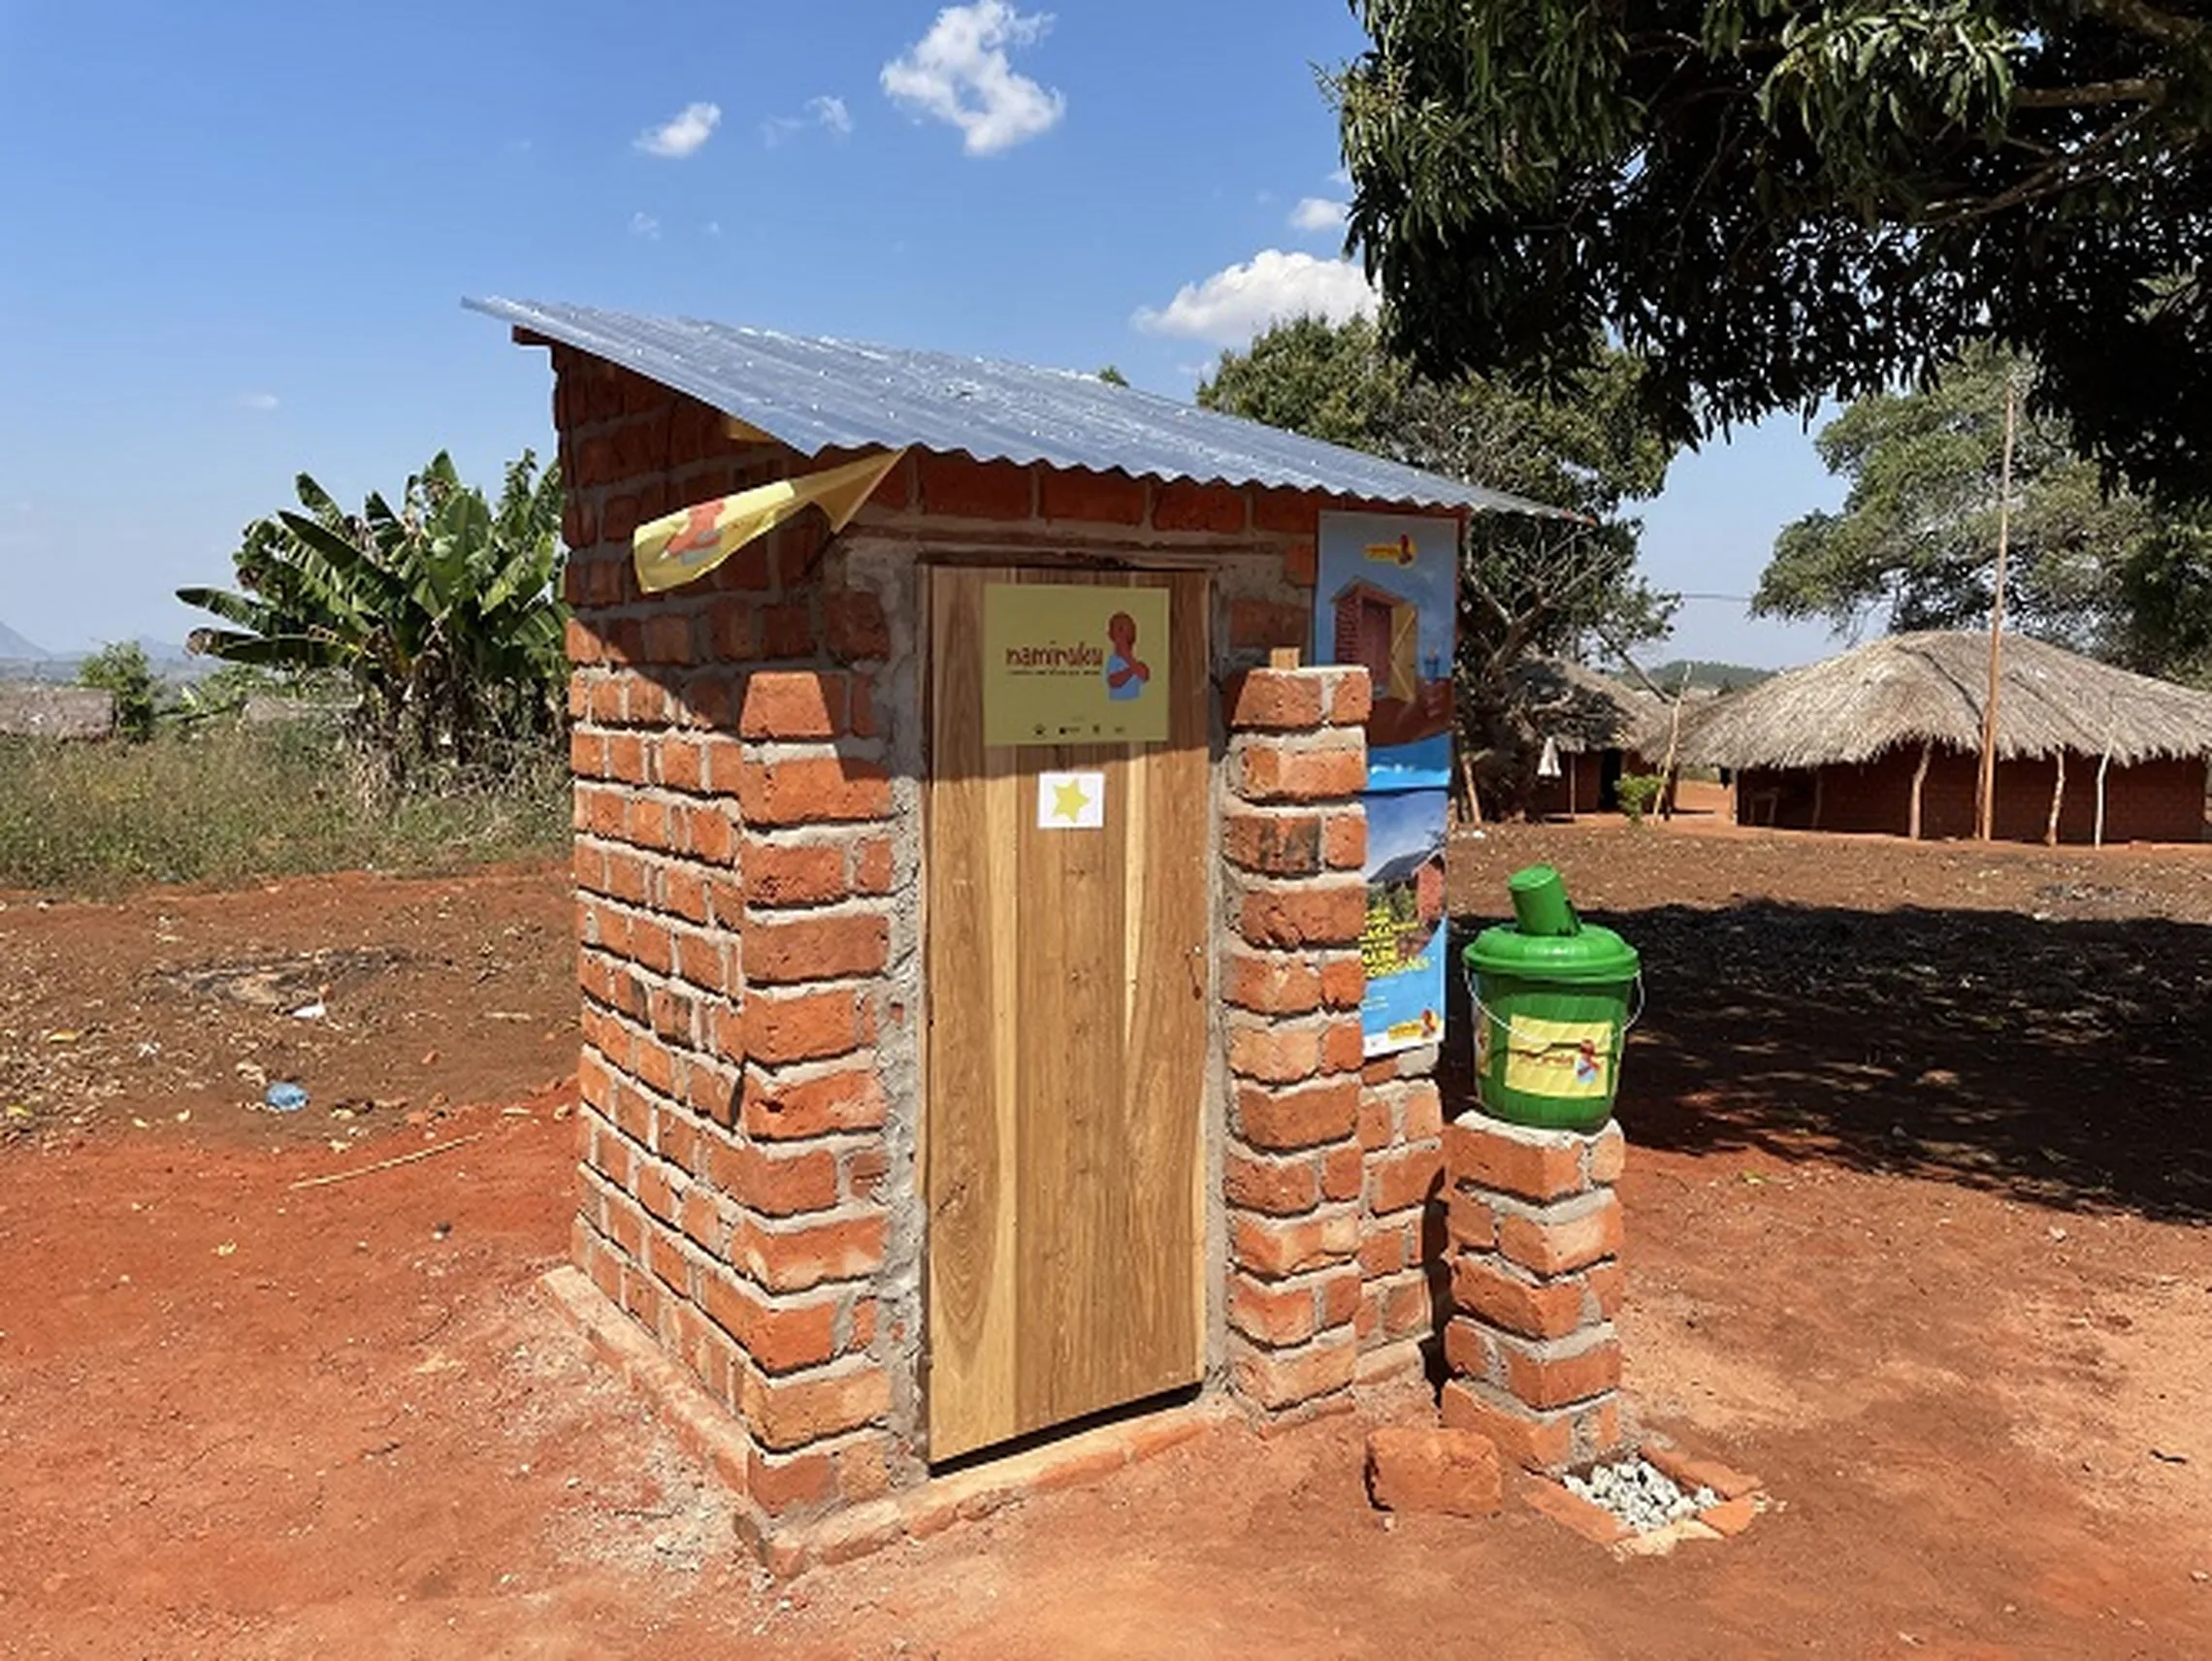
{"x": 683, "y": 546}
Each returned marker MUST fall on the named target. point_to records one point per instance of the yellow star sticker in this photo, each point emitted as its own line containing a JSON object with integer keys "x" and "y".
{"x": 1069, "y": 801}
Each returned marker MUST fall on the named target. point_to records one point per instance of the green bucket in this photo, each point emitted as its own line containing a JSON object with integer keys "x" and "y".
{"x": 1551, "y": 1007}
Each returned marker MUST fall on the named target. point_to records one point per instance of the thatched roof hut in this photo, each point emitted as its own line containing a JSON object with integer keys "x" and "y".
{"x": 1577, "y": 709}
{"x": 1907, "y": 691}
{"x": 1888, "y": 738}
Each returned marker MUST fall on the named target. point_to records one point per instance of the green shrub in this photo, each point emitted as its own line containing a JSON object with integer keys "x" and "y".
{"x": 1636, "y": 792}
{"x": 120, "y": 669}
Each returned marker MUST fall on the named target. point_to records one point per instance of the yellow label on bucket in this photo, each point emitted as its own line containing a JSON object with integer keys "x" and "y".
{"x": 1559, "y": 1057}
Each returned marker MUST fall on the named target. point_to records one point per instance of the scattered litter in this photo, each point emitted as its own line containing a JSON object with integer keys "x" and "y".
{"x": 65, "y": 1036}
{"x": 2165, "y": 1459}
{"x": 228, "y": 1249}
{"x": 285, "y": 1097}
{"x": 2058, "y": 1235}
{"x": 314, "y": 1011}
{"x": 430, "y": 1057}
{"x": 184, "y": 1116}
{"x": 252, "y": 1072}
{"x": 149, "y": 1048}
{"x": 1640, "y": 1494}
{"x": 516, "y": 1113}
{"x": 21, "y": 1114}
{"x": 387, "y": 1165}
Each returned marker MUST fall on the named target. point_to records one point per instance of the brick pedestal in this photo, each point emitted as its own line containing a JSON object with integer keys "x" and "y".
{"x": 1536, "y": 1280}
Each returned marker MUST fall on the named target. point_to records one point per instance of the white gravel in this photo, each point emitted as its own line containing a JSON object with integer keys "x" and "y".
{"x": 1640, "y": 1494}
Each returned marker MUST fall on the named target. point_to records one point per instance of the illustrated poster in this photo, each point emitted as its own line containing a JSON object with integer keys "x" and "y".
{"x": 1387, "y": 598}
{"x": 1074, "y": 664}
{"x": 1406, "y": 938}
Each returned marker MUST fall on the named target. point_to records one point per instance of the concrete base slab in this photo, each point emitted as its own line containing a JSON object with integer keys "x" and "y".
{"x": 707, "y": 1431}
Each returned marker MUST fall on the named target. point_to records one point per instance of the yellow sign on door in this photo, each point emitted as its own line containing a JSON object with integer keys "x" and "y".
{"x": 1073, "y": 663}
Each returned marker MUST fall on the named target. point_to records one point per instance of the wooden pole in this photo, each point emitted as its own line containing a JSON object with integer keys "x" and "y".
{"x": 2058, "y": 800}
{"x": 2102, "y": 767}
{"x": 1919, "y": 785}
{"x": 1673, "y": 747}
{"x": 1985, "y": 804}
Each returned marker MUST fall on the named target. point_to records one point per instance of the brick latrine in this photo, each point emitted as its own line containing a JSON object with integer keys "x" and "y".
{"x": 1535, "y": 1280}
{"x": 749, "y": 766}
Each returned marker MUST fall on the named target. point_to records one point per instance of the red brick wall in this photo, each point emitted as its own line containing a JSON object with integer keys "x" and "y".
{"x": 2151, "y": 801}
{"x": 1294, "y": 838}
{"x": 749, "y": 760}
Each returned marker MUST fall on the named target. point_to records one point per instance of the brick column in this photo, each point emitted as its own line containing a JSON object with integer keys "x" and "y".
{"x": 1294, "y": 839}
{"x": 801, "y": 1174}
{"x": 1536, "y": 1280}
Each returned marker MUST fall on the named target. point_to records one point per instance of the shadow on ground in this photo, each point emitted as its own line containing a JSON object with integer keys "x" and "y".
{"x": 2064, "y": 1060}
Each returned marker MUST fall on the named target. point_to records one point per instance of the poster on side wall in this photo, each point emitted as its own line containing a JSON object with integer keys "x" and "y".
{"x": 1386, "y": 598}
{"x": 1074, "y": 664}
{"x": 1405, "y": 941}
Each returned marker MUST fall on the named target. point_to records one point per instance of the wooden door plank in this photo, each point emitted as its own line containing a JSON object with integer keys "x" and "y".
{"x": 1168, "y": 1038}
{"x": 1070, "y": 1070}
{"x": 969, "y": 1149}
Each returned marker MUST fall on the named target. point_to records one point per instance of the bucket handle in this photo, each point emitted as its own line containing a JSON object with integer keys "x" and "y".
{"x": 1483, "y": 1012}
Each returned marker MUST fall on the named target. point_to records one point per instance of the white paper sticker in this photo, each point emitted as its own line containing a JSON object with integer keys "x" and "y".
{"x": 1071, "y": 802}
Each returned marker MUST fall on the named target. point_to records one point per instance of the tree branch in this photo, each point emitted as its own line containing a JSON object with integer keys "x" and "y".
{"x": 2139, "y": 19}
{"x": 2144, "y": 89}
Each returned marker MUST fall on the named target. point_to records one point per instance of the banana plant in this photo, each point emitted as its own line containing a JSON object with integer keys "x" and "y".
{"x": 444, "y": 613}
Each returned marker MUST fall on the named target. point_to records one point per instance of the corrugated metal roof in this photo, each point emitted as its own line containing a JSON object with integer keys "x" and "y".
{"x": 816, "y": 394}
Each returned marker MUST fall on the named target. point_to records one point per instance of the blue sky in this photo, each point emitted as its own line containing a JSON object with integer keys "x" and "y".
{"x": 237, "y": 236}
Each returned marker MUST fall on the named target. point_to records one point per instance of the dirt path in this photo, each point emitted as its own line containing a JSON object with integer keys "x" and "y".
{"x": 241, "y": 1419}
{"x": 431, "y": 993}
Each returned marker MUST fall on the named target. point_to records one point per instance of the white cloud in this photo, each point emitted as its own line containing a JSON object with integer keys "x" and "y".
{"x": 958, "y": 73}
{"x": 823, "y": 112}
{"x": 677, "y": 137}
{"x": 1316, "y": 214}
{"x": 644, "y": 224}
{"x": 713, "y": 227}
{"x": 1232, "y": 306}
{"x": 261, "y": 402}
{"x": 1342, "y": 178}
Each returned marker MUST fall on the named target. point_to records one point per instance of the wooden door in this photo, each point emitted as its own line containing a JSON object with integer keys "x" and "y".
{"x": 1067, "y": 1055}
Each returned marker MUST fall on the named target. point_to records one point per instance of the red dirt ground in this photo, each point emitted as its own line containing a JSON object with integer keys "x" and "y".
{"x": 1917, "y": 1220}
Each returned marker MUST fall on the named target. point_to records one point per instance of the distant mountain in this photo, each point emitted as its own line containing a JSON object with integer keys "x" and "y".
{"x": 1712, "y": 676}
{"x": 15, "y": 649}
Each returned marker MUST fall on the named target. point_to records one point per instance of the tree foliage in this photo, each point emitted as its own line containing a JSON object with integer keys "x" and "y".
{"x": 2116, "y": 576}
{"x": 1527, "y": 584}
{"x": 121, "y": 670}
{"x": 1773, "y": 201}
{"x": 445, "y": 614}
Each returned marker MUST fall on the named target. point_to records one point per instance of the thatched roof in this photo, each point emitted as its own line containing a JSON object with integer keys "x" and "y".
{"x": 1909, "y": 690}
{"x": 1577, "y": 709}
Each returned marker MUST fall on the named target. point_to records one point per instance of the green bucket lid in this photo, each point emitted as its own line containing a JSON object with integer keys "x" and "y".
{"x": 1547, "y": 941}
{"x": 1594, "y": 957}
